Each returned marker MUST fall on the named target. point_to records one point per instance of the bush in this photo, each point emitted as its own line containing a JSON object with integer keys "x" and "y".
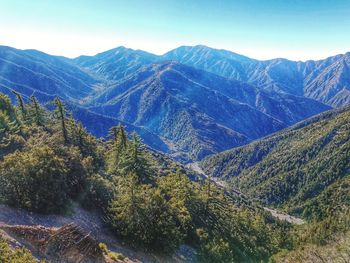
{"x": 116, "y": 256}
{"x": 9, "y": 255}
{"x": 35, "y": 180}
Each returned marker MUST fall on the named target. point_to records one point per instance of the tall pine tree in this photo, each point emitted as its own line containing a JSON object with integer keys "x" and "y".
{"x": 61, "y": 113}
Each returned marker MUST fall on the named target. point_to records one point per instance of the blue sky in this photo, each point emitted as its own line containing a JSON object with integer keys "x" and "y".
{"x": 295, "y": 29}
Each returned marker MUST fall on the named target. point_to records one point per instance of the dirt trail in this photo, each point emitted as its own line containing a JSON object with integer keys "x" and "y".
{"x": 283, "y": 216}
{"x": 91, "y": 223}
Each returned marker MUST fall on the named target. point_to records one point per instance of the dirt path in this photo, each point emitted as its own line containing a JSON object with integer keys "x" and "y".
{"x": 285, "y": 217}
{"x": 91, "y": 223}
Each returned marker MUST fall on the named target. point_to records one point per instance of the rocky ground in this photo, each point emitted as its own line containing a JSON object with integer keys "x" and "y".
{"x": 24, "y": 229}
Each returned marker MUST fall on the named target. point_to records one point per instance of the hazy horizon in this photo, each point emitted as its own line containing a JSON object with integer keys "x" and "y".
{"x": 160, "y": 54}
{"x": 296, "y": 30}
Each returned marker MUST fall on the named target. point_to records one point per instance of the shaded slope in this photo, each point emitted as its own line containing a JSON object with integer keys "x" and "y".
{"x": 197, "y": 111}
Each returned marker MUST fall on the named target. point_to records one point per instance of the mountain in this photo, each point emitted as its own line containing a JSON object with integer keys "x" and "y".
{"x": 199, "y": 112}
{"x": 150, "y": 93}
{"x": 220, "y": 62}
{"x": 292, "y": 167}
{"x": 32, "y": 72}
{"x": 325, "y": 80}
{"x": 116, "y": 63}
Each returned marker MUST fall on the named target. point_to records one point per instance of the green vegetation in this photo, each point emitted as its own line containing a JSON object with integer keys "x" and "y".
{"x": 9, "y": 255}
{"x": 335, "y": 251}
{"x": 303, "y": 170}
{"x": 116, "y": 256}
{"x": 48, "y": 159}
{"x": 292, "y": 166}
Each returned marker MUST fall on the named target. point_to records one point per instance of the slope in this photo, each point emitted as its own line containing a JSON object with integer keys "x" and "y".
{"x": 291, "y": 167}
{"x": 199, "y": 112}
{"x": 31, "y": 72}
{"x": 325, "y": 80}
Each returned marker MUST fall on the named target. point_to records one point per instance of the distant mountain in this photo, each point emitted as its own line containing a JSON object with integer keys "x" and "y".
{"x": 292, "y": 166}
{"x": 185, "y": 110}
{"x": 325, "y": 80}
{"x": 199, "y": 112}
{"x": 220, "y": 62}
{"x": 116, "y": 63}
{"x": 31, "y": 72}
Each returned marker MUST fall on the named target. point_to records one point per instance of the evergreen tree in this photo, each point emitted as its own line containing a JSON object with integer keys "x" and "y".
{"x": 61, "y": 113}
{"x": 36, "y": 112}
{"x": 9, "y": 126}
{"x": 118, "y": 145}
{"x": 136, "y": 161}
{"x": 21, "y": 105}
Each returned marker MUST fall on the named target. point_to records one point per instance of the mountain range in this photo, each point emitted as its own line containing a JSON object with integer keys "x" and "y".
{"x": 189, "y": 102}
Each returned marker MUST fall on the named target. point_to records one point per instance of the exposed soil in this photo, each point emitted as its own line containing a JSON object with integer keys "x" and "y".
{"x": 14, "y": 220}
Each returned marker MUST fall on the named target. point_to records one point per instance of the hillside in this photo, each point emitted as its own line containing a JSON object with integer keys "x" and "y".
{"x": 32, "y": 72}
{"x": 292, "y": 167}
{"x": 327, "y": 80}
{"x": 50, "y": 165}
{"x": 147, "y": 207}
{"x": 198, "y": 112}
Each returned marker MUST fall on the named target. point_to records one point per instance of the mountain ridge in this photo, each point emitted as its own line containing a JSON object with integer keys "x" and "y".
{"x": 221, "y": 112}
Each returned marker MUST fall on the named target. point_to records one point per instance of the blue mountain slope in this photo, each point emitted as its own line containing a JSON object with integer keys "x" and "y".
{"x": 187, "y": 111}
{"x": 35, "y": 73}
{"x": 116, "y": 63}
{"x": 199, "y": 112}
{"x": 327, "y": 80}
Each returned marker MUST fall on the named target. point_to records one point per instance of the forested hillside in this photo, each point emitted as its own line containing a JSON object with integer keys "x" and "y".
{"x": 291, "y": 166}
{"x": 48, "y": 160}
{"x": 305, "y": 171}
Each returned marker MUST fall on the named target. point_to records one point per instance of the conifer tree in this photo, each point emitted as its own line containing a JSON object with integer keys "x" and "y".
{"x": 61, "y": 113}
{"x": 37, "y": 114}
{"x": 9, "y": 125}
{"x": 113, "y": 133}
{"x": 118, "y": 143}
{"x": 135, "y": 161}
{"x": 21, "y": 105}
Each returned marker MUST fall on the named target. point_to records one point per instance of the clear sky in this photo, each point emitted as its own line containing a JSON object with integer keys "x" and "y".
{"x": 263, "y": 29}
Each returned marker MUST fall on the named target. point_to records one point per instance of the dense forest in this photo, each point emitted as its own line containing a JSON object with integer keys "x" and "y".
{"x": 303, "y": 170}
{"x": 48, "y": 160}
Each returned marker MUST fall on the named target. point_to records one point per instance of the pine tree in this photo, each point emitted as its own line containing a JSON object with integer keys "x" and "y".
{"x": 21, "y": 105}
{"x": 118, "y": 144}
{"x": 61, "y": 113}
{"x": 36, "y": 112}
{"x": 9, "y": 125}
{"x": 136, "y": 161}
{"x": 113, "y": 133}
